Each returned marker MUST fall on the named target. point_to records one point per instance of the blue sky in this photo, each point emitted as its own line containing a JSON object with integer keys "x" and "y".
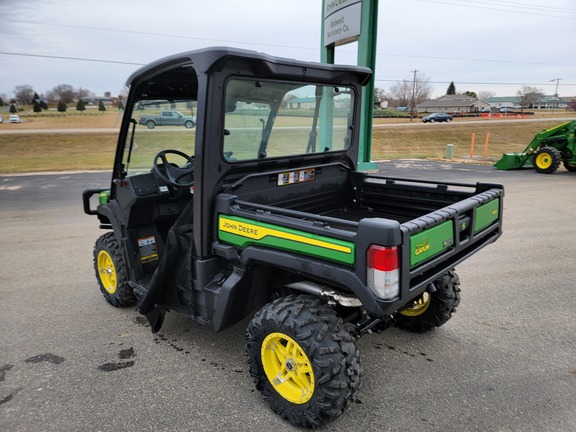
{"x": 481, "y": 45}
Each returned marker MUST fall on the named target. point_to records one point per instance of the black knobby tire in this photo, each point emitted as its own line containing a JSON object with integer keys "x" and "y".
{"x": 111, "y": 272}
{"x": 325, "y": 348}
{"x": 546, "y": 160}
{"x": 432, "y": 310}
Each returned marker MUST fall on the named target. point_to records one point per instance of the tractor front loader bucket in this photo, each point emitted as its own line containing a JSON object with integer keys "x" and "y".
{"x": 510, "y": 161}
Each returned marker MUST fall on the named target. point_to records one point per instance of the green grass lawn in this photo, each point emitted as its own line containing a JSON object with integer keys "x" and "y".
{"x": 32, "y": 152}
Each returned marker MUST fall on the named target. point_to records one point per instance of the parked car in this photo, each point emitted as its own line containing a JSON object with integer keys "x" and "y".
{"x": 505, "y": 110}
{"x": 14, "y": 118}
{"x": 486, "y": 110}
{"x": 168, "y": 118}
{"x": 437, "y": 117}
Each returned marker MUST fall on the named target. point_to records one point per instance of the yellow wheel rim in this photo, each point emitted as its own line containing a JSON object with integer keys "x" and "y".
{"x": 419, "y": 306}
{"x": 107, "y": 271}
{"x": 543, "y": 160}
{"x": 288, "y": 368}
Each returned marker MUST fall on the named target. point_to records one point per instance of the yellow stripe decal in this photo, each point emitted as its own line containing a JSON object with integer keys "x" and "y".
{"x": 257, "y": 232}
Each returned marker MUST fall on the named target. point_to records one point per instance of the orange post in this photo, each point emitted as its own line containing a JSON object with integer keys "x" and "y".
{"x": 486, "y": 144}
{"x": 472, "y": 145}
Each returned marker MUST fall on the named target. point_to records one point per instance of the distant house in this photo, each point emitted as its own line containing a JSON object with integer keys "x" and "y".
{"x": 568, "y": 99}
{"x": 504, "y": 102}
{"x": 302, "y": 103}
{"x": 545, "y": 102}
{"x": 456, "y": 104}
{"x": 94, "y": 101}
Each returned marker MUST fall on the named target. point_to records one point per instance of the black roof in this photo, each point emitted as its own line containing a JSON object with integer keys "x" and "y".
{"x": 217, "y": 58}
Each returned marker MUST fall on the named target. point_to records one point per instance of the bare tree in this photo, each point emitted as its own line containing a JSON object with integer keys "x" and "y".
{"x": 528, "y": 96}
{"x": 379, "y": 97}
{"x": 62, "y": 93}
{"x": 285, "y": 101}
{"x": 485, "y": 94}
{"x": 418, "y": 88}
{"x": 24, "y": 94}
{"x": 84, "y": 93}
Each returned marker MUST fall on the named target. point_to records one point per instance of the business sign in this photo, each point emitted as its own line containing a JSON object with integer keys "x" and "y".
{"x": 342, "y": 21}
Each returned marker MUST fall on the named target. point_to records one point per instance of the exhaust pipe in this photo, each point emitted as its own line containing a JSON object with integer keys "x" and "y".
{"x": 331, "y": 295}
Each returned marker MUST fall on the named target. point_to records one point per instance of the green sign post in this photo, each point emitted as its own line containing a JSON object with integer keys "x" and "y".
{"x": 345, "y": 21}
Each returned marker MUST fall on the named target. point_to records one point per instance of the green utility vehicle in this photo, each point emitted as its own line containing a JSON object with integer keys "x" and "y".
{"x": 546, "y": 151}
{"x": 261, "y": 208}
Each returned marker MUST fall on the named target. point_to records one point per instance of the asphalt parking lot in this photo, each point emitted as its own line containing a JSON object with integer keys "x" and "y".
{"x": 69, "y": 361}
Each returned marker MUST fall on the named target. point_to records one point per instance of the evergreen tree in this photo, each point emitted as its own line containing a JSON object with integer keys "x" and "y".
{"x": 451, "y": 89}
{"x": 13, "y": 109}
{"x": 62, "y": 107}
{"x": 120, "y": 106}
{"x": 81, "y": 105}
{"x": 101, "y": 106}
{"x": 36, "y": 106}
{"x": 43, "y": 105}
{"x": 471, "y": 94}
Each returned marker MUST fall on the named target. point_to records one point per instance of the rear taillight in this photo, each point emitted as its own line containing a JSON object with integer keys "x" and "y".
{"x": 383, "y": 271}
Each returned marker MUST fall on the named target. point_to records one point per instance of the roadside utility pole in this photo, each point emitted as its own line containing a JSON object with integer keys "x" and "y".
{"x": 413, "y": 95}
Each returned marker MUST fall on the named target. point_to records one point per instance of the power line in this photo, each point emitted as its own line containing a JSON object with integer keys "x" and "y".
{"x": 517, "y": 5}
{"x": 472, "y": 59}
{"x": 376, "y": 79}
{"x": 71, "y": 58}
{"x": 143, "y": 33}
{"x": 477, "y": 83}
{"x": 290, "y": 46}
{"x": 513, "y": 9}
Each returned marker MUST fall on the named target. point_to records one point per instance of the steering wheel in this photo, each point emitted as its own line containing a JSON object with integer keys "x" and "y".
{"x": 174, "y": 175}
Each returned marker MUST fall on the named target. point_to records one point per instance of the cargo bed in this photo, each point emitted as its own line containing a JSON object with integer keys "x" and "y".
{"x": 432, "y": 220}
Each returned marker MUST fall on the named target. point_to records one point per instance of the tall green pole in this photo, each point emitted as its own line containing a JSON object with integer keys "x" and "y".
{"x": 366, "y": 57}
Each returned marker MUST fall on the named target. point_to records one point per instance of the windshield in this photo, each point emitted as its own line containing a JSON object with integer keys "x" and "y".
{"x": 159, "y": 125}
{"x": 267, "y": 119}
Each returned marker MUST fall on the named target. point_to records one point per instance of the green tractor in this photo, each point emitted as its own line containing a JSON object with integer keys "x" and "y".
{"x": 547, "y": 150}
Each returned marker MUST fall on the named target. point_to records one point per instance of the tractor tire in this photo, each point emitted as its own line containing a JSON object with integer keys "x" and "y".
{"x": 546, "y": 160}
{"x": 302, "y": 360}
{"x": 432, "y": 310}
{"x": 111, "y": 272}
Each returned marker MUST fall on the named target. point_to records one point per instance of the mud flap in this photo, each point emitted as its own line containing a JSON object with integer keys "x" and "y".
{"x": 156, "y": 318}
{"x": 163, "y": 290}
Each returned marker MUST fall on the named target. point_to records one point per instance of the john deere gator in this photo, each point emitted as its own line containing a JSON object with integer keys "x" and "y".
{"x": 260, "y": 210}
